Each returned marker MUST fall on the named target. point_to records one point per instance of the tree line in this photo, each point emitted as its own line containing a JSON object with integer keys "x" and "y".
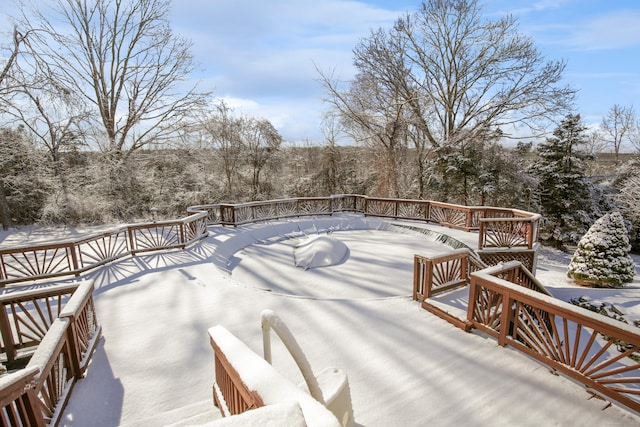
{"x": 98, "y": 123}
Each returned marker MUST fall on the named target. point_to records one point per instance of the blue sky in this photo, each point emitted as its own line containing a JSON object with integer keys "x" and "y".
{"x": 261, "y": 55}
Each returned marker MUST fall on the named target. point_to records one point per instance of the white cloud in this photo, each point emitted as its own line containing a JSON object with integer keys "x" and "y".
{"x": 539, "y": 6}
{"x": 266, "y": 52}
{"x": 615, "y": 30}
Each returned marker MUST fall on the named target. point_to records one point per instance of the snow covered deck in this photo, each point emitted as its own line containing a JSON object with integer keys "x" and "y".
{"x": 154, "y": 365}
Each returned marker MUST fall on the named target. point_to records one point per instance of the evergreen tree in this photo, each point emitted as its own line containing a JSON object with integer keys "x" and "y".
{"x": 628, "y": 197}
{"x": 602, "y": 257}
{"x": 563, "y": 190}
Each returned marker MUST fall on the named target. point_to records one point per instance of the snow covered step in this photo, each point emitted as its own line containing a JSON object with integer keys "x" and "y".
{"x": 189, "y": 415}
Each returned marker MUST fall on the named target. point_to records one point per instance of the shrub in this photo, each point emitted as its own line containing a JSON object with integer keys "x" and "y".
{"x": 602, "y": 257}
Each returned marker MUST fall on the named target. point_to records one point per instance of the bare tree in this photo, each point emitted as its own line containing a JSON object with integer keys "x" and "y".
{"x": 634, "y": 135}
{"x": 374, "y": 115}
{"x": 6, "y": 90}
{"x": 330, "y": 174}
{"x": 23, "y": 183}
{"x": 457, "y": 76}
{"x": 617, "y": 126}
{"x": 261, "y": 141}
{"x": 18, "y": 39}
{"x": 123, "y": 58}
{"x": 41, "y": 105}
{"x": 222, "y": 131}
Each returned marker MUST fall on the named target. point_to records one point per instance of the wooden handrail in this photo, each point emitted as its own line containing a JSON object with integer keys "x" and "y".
{"x": 61, "y": 356}
{"x": 26, "y": 315}
{"x": 18, "y": 402}
{"x": 55, "y": 380}
{"x": 515, "y": 272}
{"x": 84, "y": 330}
{"x": 597, "y": 351}
{"x": 73, "y": 257}
{"x": 230, "y": 393}
{"x": 498, "y": 227}
{"x": 442, "y": 273}
{"x": 245, "y": 380}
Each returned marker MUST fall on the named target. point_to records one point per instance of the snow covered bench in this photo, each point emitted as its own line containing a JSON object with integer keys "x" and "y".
{"x": 245, "y": 381}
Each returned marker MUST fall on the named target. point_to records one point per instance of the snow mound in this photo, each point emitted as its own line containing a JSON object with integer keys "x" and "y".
{"x": 320, "y": 251}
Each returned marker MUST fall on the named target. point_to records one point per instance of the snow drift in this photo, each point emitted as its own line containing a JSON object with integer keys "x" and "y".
{"x": 320, "y": 251}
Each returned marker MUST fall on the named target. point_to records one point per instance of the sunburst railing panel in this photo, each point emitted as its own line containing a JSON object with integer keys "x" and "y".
{"x": 155, "y": 236}
{"x": 413, "y": 210}
{"x": 36, "y": 262}
{"x": 103, "y": 248}
{"x": 27, "y": 315}
{"x": 602, "y": 353}
{"x": 505, "y": 234}
{"x": 194, "y": 228}
{"x": 314, "y": 206}
{"x": 381, "y": 207}
{"x": 452, "y": 215}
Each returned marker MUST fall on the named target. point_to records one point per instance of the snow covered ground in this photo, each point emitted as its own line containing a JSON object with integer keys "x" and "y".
{"x": 154, "y": 364}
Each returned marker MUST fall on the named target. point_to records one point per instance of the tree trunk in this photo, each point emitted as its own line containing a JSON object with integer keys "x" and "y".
{"x": 5, "y": 212}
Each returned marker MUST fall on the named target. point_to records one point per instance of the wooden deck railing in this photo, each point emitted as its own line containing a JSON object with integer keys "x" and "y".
{"x": 73, "y": 257}
{"x": 38, "y": 394}
{"x": 602, "y": 353}
{"x": 443, "y": 273}
{"x": 511, "y": 227}
{"x": 244, "y": 380}
{"x": 18, "y": 401}
{"x": 498, "y": 228}
{"x": 84, "y": 329}
{"x": 230, "y": 394}
{"x": 447, "y": 214}
{"x": 26, "y": 316}
{"x": 56, "y": 376}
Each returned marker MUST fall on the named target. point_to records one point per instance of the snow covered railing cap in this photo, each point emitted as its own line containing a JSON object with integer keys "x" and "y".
{"x": 260, "y": 377}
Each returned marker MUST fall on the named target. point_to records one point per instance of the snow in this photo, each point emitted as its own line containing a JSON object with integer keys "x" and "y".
{"x": 288, "y": 414}
{"x": 405, "y": 366}
{"x": 320, "y": 251}
{"x": 602, "y": 256}
{"x": 260, "y": 376}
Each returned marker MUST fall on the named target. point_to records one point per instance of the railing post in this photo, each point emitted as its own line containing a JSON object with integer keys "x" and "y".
{"x": 7, "y": 336}
{"x": 530, "y": 235}
{"x": 481, "y": 231}
{"x": 32, "y": 408}
{"x": 74, "y": 350}
{"x": 417, "y": 276}
{"x": 505, "y": 319}
{"x": 182, "y": 236}
{"x": 464, "y": 268}
{"x": 428, "y": 279}
{"x": 132, "y": 245}
{"x": 83, "y": 331}
{"x": 471, "y": 304}
{"x": 74, "y": 257}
